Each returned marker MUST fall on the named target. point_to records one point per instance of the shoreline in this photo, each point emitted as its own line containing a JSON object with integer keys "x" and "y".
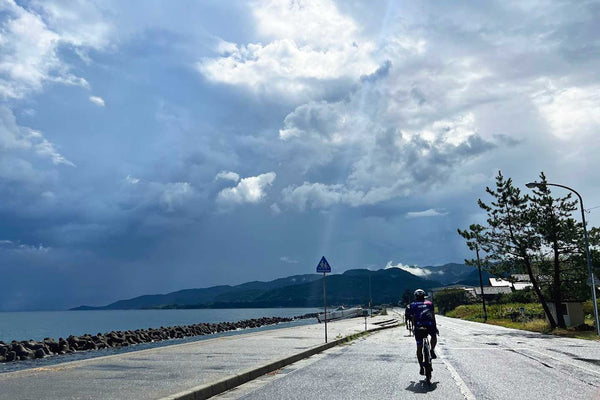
{"x": 38, "y": 325}
{"x": 16, "y": 352}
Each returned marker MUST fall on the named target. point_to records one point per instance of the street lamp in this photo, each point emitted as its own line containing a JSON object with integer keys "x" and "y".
{"x": 532, "y": 185}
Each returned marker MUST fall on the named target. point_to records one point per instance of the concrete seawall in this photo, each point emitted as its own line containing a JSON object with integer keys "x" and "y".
{"x": 194, "y": 370}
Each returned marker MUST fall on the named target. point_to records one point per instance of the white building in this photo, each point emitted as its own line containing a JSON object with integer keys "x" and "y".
{"x": 521, "y": 281}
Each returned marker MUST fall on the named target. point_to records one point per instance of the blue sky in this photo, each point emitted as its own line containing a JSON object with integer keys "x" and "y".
{"x": 152, "y": 146}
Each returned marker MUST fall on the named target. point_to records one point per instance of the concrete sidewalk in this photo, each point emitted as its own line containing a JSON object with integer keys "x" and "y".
{"x": 194, "y": 370}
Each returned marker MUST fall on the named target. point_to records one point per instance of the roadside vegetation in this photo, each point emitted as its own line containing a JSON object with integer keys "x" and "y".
{"x": 532, "y": 318}
{"x": 534, "y": 233}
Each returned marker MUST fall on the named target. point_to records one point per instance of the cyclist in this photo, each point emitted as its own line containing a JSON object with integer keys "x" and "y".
{"x": 422, "y": 314}
{"x": 408, "y": 321}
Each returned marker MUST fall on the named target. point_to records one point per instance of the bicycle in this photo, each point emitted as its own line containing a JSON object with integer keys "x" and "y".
{"x": 426, "y": 351}
{"x": 409, "y": 325}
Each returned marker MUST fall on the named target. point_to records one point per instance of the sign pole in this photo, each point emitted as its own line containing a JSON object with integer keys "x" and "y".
{"x": 324, "y": 267}
{"x": 325, "y": 304}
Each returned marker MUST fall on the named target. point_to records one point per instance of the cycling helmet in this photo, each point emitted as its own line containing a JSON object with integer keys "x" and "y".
{"x": 419, "y": 294}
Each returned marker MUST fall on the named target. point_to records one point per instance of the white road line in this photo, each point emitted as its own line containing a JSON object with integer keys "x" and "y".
{"x": 462, "y": 386}
{"x": 480, "y": 348}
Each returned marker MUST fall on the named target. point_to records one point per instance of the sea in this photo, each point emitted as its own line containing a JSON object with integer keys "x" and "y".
{"x": 37, "y": 325}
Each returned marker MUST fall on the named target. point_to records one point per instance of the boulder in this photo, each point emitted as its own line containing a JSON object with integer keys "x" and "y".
{"x": 63, "y": 347}
{"x": 23, "y": 352}
{"x": 52, "y": 345}
{"x": 11, "y": 356}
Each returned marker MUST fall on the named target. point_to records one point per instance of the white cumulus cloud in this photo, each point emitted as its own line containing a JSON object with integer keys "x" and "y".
{"x": 99, "y": 101}
{"x": 427, "y": 213}
{"x": 384, "y": 134}
{"x": 228, "y": 175}
{"x": 306, "y": 41}
{"x": 248, "y": 190}
{"x": 30, "y": 42}
{"x": 421, "y": 272}
{"x": 571, "y": 112}
{"x": 20, "y": 141}
{"x": 319, "y": 195}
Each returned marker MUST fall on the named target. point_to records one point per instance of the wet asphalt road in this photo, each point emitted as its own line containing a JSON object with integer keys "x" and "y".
{"x": 476, "y": 361}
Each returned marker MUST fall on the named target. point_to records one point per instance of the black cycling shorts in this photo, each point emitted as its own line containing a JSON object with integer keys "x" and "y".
{"x": 422, "y": 331}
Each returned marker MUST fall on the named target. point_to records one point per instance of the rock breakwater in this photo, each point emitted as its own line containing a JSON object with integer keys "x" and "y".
{"x": 30, "y": 349}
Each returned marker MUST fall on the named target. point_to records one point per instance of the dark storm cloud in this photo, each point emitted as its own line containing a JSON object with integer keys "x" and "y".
{"x": 339, "y": 138}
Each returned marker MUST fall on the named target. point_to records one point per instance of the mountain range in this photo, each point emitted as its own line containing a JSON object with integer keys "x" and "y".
{"x": 353, "y": 287}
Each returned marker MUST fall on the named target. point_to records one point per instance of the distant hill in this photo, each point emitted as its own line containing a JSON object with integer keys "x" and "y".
{"x": 225, "y": 293}
{"x": 472, "y": 279}
{"x": 446, "y": 274}
{"x": 350, "y": 288}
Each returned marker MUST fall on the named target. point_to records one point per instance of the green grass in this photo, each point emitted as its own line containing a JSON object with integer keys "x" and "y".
{"x": 509, "y": 316}
{"x": 510, "y": 311}
{"x": 536, "y": 325}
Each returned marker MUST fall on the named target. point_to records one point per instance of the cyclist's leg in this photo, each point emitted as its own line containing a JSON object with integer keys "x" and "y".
{"x": 433, "y": 341}
{"x": 419, "y": 340}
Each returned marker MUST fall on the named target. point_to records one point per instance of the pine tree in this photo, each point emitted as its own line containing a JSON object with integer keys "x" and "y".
{"x": 560, "y": 238}
{"x": 511, "y": 240}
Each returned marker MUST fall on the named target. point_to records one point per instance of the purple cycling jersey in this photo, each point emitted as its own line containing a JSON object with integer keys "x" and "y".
{"x": 422, "y": 313}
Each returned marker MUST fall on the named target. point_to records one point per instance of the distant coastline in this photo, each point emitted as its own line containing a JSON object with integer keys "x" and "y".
{"x": 212, "y": 306}
{"x": 353, "y": 287}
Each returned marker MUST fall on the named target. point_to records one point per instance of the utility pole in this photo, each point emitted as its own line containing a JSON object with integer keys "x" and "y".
{"x": 370, "y": 297}
{"x": 473, "y": 238}
{"x": 325, "y": 304}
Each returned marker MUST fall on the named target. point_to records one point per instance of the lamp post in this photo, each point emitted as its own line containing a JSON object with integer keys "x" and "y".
{"x": 587, "y": 247}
